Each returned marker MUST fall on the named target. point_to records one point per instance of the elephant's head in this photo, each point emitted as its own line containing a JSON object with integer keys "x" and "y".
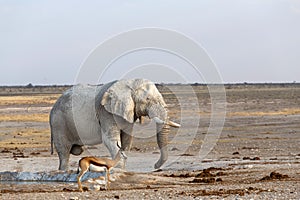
{"x": 131, "y": 99}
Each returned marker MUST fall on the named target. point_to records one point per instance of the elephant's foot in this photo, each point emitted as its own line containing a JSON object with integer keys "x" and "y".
{"x": 64, "y": 164}
{"x": 121, "y": 165}
{"x": 159, "y": 163}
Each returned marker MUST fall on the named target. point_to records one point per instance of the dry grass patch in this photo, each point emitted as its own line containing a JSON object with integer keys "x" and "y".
{"x": 27, "y": 138}
{"x": 266, "y": 113}
{"x": 36, "y": 117}
{"x": 28, "y": 100}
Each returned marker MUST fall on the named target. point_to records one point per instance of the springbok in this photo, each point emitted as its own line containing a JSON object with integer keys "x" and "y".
{"x": 93, "y": 164}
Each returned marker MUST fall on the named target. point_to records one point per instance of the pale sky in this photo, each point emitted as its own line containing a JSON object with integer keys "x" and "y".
{"x": 45, "y": 42}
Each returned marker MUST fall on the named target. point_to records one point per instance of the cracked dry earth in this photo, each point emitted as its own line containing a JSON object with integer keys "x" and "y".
{"x": 257, "y": 155}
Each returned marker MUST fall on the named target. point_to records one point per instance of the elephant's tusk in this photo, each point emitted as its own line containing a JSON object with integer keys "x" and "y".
{"x": 170, "y": 123}
{"x": 173, "y": 124}
{"x": 158, "y": 121}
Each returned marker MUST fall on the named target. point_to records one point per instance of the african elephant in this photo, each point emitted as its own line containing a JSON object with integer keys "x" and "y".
{"x": 89, "y": 115}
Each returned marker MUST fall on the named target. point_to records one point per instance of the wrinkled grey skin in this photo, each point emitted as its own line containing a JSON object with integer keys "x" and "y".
{"x": 89, "y": 115}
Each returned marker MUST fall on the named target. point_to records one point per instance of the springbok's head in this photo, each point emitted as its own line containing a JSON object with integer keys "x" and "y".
{"x": 121, "y": 152}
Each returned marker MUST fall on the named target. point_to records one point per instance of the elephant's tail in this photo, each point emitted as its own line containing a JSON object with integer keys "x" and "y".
{"x": 51, "y": 131}
{"x": 51, "y": 145}
{"x": 51, "y": 142}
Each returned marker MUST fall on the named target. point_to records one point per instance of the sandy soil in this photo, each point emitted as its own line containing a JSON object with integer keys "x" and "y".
{"x": 256, "y": 157}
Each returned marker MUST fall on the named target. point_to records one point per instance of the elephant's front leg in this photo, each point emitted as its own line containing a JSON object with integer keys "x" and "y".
{"x": 111, "y": 127}
{"x": 111, "y": 139}
{"x": 126, "y": 141}
{"x": 126, "y": 138}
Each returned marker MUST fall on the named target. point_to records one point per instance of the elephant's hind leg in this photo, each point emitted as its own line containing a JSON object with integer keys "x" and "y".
{"x": 64, "y": 160}
{"x": 126, "y": 140}
{"x": 63, "y": 151}
{"x": 62, "y": 144}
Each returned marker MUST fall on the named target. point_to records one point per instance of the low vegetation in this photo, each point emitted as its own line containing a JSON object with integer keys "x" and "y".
{"x": 28, "y": 100}
{"x": 33, "y": 117}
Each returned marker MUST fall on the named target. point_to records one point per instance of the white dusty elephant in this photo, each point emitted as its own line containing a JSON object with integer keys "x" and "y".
{"x": 89, "y": 115}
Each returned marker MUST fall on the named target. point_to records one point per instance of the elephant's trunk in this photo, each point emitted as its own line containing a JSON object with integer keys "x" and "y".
{"x": 162, "y": 141}
{"x": 159, "y": 114}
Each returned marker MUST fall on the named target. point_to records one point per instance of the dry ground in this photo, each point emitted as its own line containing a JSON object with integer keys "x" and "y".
{"x": 257, "y": 155}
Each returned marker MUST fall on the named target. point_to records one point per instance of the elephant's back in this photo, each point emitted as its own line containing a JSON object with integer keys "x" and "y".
{"x": 77, "y": 98}
{"x": 101, "y": 91}
{"x": 61, "y": 104}
{"x": 75, "y": 110}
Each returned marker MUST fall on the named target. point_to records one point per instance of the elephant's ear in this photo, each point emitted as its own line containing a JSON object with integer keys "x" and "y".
{"x": 118, "y": 100}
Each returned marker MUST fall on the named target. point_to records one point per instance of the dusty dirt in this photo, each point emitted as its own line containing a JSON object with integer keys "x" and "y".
{"x": 256, "y": 157}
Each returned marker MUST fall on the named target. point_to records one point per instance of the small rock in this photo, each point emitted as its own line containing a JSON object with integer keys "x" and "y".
{"x": 255, "y": 158}
{"x": 97, "y": 187}
{"x": 274, "y": 175}
{"x": 248, "y": 166}
{"x": 203, "y": 180}
{"x": 205, "y": 173}
{"x": 219, "y": 180}
{"x": 220, "y": 174}
{"x": 5, "y": 150}
{"x": 135, "y": 149}
{"x": 66, "y": 190}
{"x": 174, "y": 149}
{"x": 186, "y": 154}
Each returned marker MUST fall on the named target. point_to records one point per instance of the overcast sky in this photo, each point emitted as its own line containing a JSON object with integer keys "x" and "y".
{"x": 45, "y": 42}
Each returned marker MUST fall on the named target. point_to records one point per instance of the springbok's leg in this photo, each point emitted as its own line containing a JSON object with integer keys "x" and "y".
{"x": 106, "y": 178}
{"x": 82, "y": 172}
{"x": 107, "y": 181}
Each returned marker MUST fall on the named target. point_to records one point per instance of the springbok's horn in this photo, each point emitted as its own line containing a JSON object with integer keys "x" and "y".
{"x": 118, "y": 145}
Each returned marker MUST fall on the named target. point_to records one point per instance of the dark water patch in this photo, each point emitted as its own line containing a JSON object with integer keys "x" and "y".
{"x": 56, "y": 176}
